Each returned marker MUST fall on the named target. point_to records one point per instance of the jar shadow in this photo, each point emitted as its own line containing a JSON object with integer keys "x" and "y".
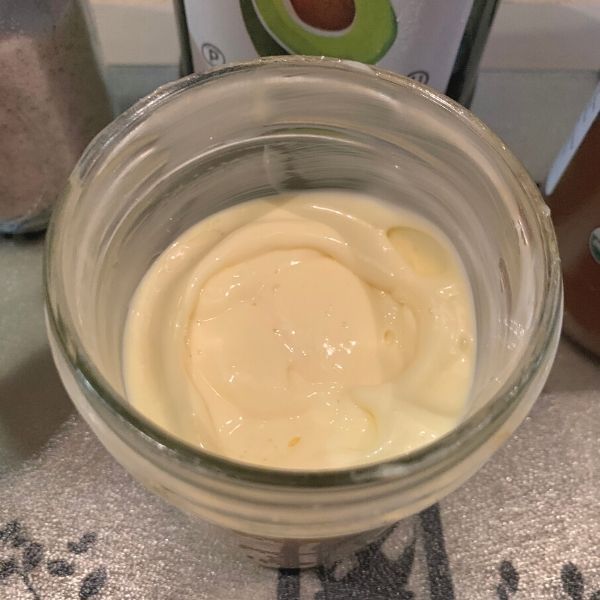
{"x": 34, "y": 406}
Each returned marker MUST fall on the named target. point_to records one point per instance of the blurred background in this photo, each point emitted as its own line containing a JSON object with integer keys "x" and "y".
{"x": 539, "y": 68}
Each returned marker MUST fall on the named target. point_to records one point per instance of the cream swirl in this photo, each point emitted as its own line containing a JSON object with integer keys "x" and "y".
{"x": 320, "y": 330}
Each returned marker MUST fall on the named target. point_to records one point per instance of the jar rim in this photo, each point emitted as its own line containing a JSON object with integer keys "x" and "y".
{"x": 440, "y": 454}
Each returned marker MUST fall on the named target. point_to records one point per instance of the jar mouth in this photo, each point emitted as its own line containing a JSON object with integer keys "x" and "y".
{"x": 444, "y": 452}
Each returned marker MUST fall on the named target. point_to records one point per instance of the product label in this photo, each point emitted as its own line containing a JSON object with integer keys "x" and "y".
{"x": 417, "y": 38}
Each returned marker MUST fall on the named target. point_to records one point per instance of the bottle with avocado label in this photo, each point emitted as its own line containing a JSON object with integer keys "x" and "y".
{"x": 433, "y": 42}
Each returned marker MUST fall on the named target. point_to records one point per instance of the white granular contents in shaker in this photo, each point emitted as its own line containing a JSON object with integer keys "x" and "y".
{"x": 52, "y": 102}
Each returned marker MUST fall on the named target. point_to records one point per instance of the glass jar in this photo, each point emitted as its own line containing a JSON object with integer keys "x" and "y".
{"x": 208, "y": 141}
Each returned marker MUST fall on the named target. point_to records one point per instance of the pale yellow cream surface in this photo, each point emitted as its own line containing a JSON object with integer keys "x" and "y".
{"x": 320, "y": 330}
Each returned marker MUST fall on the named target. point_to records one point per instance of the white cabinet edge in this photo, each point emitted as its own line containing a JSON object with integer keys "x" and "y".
{"x": 545, "y": 35}
{"x": 141, "y": 32}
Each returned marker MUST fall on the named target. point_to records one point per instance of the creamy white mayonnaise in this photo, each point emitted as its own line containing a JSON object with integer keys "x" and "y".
{"x": 319, "y": 330}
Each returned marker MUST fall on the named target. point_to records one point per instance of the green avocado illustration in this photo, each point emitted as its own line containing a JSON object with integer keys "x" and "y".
{"x": 360, "y": 30}
{"x": 264, "y": 44}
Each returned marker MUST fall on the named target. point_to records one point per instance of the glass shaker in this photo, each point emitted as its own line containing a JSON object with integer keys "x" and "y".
{"x": 52, "y": 103}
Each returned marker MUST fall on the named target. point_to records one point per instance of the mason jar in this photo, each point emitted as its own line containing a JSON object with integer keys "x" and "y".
{"x": 210, "y": 141}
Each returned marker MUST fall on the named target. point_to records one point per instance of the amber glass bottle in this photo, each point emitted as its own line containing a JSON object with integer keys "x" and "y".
{"x": 573, "y": 194}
